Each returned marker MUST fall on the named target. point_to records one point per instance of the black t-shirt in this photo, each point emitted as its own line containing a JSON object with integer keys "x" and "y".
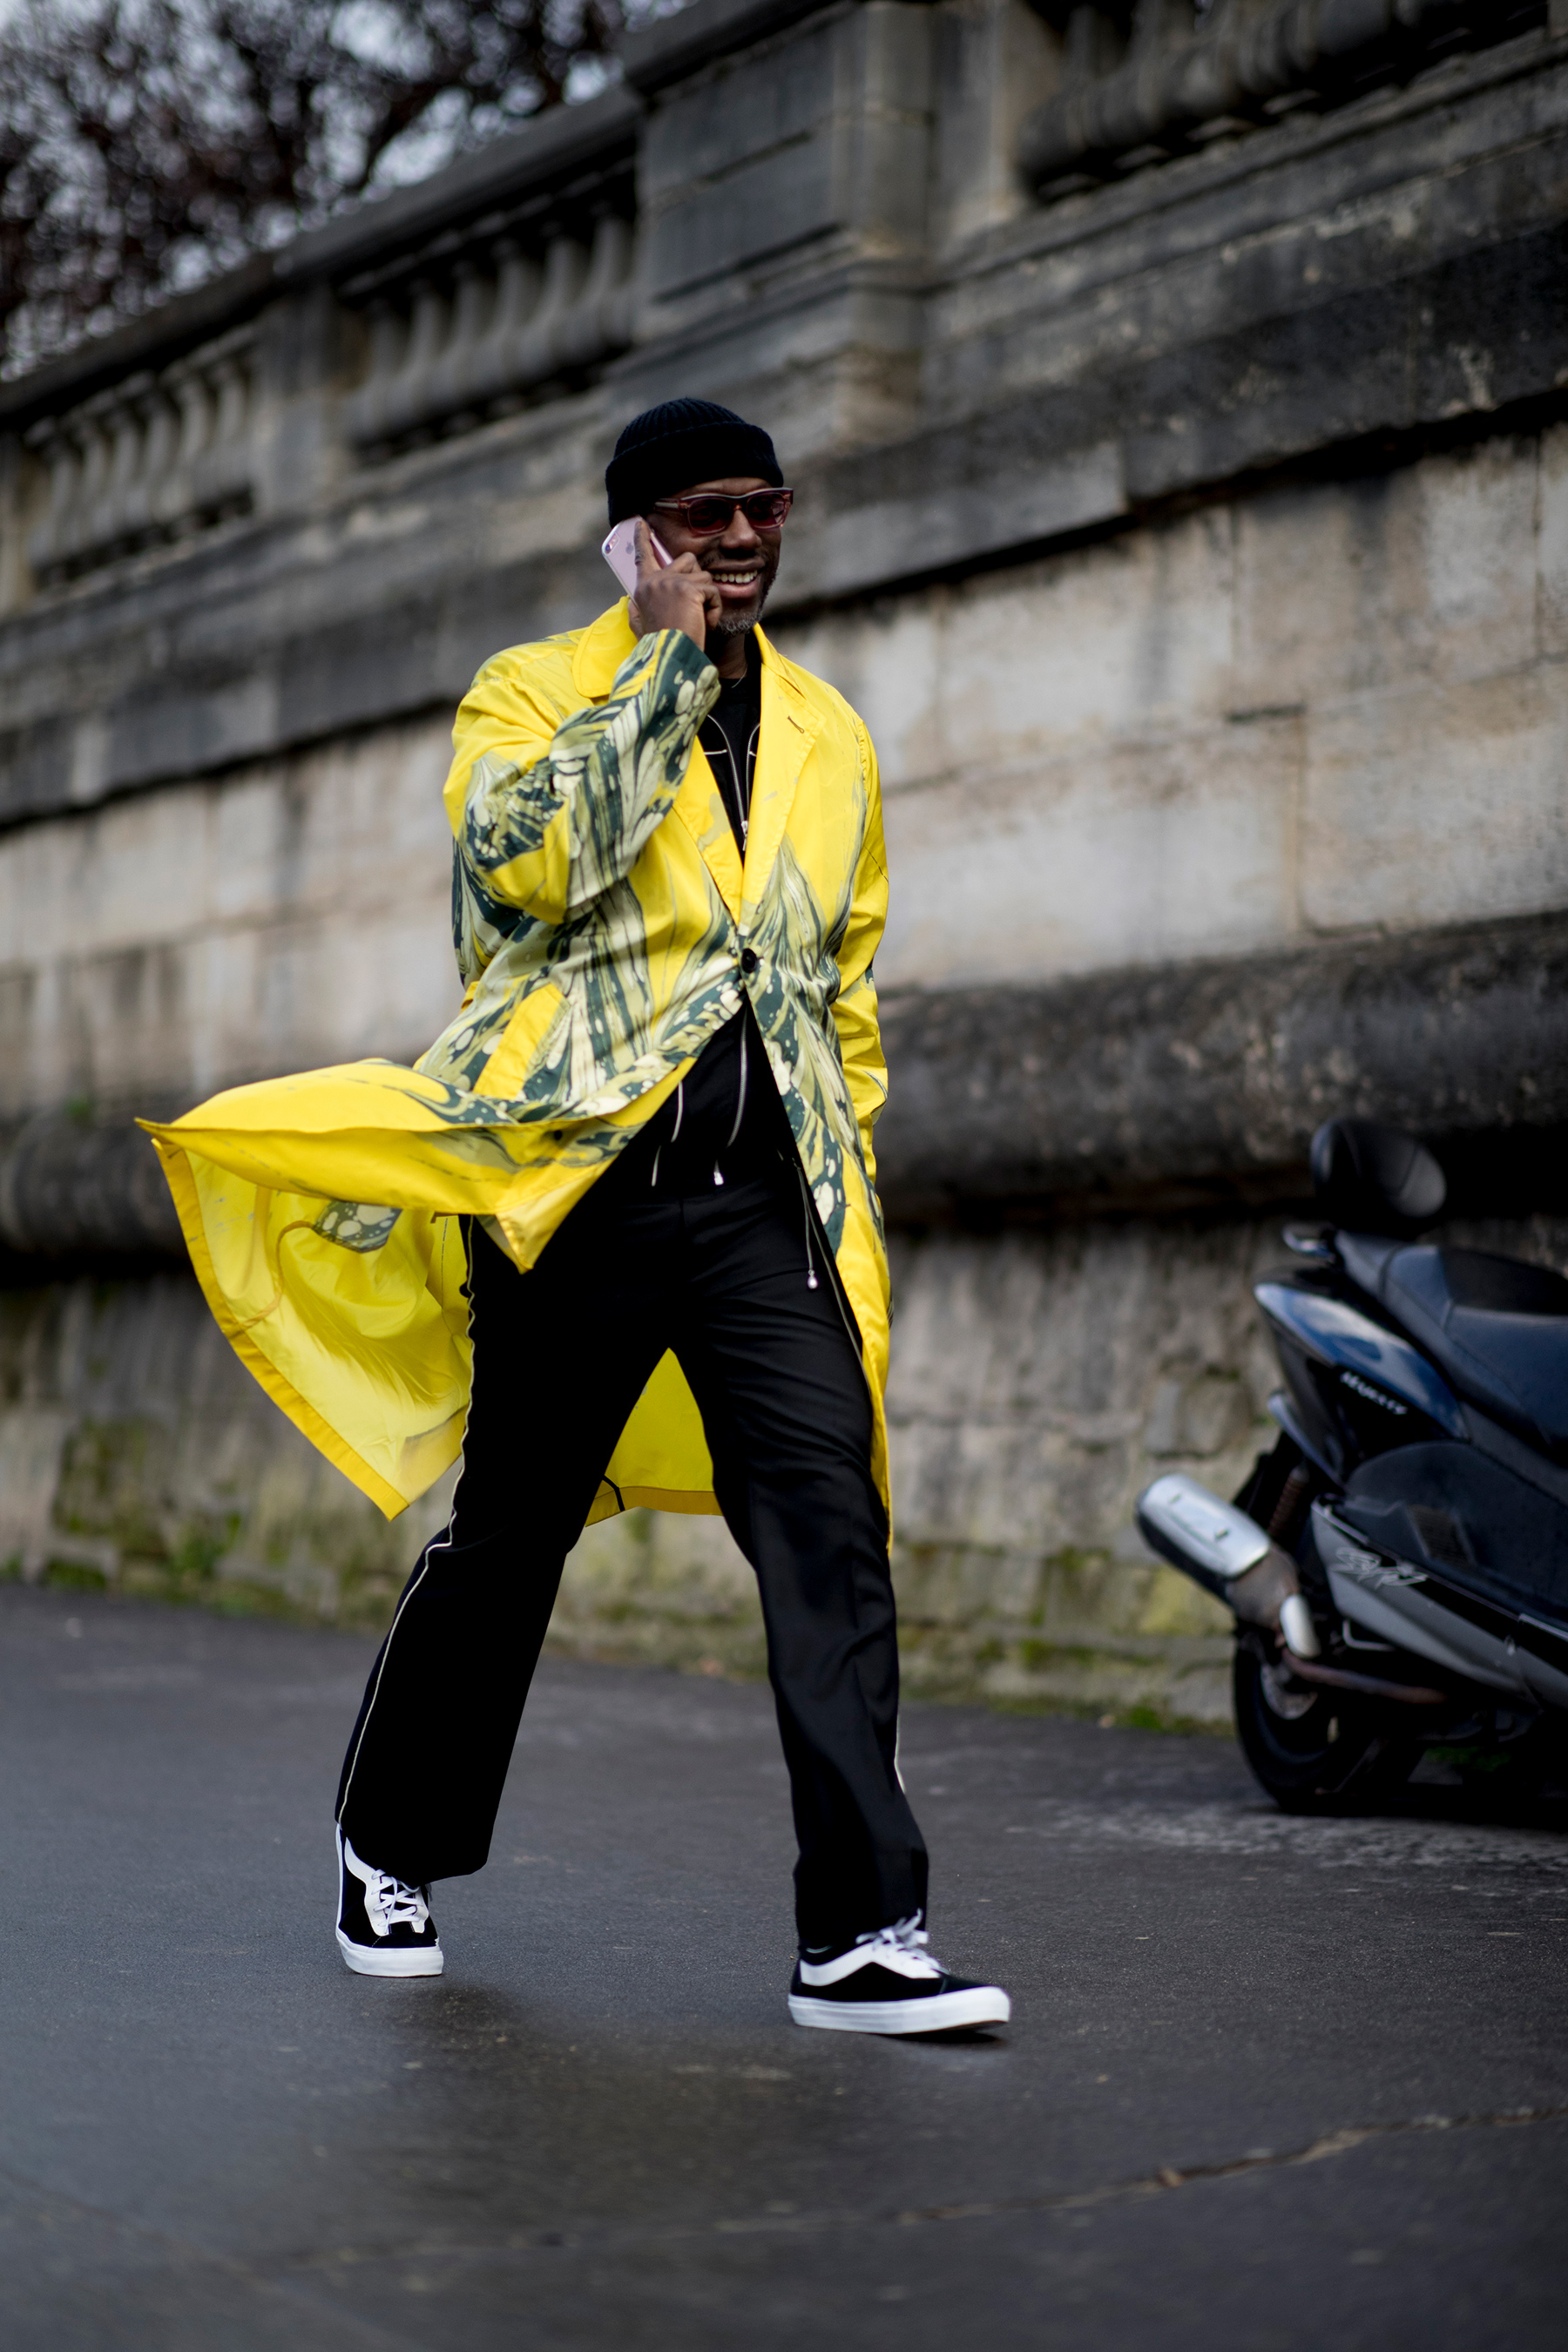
{"x": 729, "y": 736}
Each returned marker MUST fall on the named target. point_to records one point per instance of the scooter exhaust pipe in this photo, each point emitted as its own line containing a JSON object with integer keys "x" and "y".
{"x": 1229, "y": 1555}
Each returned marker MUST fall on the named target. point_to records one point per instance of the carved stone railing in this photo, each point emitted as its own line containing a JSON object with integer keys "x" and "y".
{"x": 469, "y": 331}
{"x": 147, "y": 461}
{"x": 507, "y": 280}
{"x": 1162, "y": 74}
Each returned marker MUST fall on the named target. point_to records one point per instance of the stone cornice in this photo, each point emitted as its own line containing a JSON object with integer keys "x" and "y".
{"x": 1167, "y": 86}
{"x": 1200, "y": 1085}
{"x": 673, "y": 48}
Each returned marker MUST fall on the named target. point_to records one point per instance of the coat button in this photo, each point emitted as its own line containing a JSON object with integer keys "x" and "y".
{"x": 749, "y": 960}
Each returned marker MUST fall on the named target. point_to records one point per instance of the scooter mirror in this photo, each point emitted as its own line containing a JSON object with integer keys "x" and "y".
{"x": 1372, "y": 1179}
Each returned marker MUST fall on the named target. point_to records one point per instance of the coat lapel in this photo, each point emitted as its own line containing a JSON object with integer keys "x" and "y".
{"x": 700, "y": 808}
{"x": 789, "y": 731}
{"x": 600, "y": 652}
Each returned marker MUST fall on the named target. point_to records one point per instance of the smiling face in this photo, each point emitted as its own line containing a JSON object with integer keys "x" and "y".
{"x": 742, "y": 560}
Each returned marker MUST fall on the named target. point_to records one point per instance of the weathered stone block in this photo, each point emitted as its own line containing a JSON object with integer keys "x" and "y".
{"x": 994, "y": 59}
{"x": 1437, "y": 803}
{"x": 826, "y": 129}
{"x": 296, "y": 913}
{"x": 1423, "y": 573}
{"x": 1121, "y": 855}
{"x": 1553, "y": 543}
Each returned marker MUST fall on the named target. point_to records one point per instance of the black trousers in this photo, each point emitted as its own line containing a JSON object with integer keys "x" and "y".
{"x": 560, "y": 1356}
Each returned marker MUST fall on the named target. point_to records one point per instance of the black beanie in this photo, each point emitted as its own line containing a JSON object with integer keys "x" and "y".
{"x": 681, "y": 441}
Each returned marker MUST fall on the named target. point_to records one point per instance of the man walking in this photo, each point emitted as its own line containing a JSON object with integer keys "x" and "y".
{"x": 653, "y": 1117}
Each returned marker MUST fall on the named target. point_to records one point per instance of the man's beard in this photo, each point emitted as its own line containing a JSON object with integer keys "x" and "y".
{"x": 736, "y": 624}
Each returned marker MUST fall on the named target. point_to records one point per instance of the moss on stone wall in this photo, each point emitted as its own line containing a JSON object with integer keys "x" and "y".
{"x": 1038, "y": 1380}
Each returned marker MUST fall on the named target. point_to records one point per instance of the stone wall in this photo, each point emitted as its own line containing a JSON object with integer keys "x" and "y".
{"x": 296, "y": 910}
{"x": 1176, "y": 401}
{"x": 1024, "y": 1408}
{"x": 1039, "y": 1379}
{"x": 1315, "y": 711}
{"x": 135, "y": 1450}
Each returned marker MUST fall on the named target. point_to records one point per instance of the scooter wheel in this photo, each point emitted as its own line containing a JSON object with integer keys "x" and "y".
{"x": 1311, "y": 1750}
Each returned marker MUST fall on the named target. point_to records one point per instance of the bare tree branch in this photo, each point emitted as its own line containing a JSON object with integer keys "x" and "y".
{"x": 144, "y": 143}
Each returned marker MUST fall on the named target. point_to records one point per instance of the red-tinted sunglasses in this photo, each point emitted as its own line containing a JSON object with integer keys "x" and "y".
{"x": 707, "y": 512}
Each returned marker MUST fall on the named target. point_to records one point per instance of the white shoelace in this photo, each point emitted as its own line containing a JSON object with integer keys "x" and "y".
{"x": 390, "y": 1903}
{"x": 901, "y": 1947}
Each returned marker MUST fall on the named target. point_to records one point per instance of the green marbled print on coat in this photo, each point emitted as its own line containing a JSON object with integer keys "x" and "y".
{"x": 606, "y": 1042}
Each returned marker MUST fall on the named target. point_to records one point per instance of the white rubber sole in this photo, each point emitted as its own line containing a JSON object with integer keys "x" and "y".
{"x": 940, "y": 2013}
{"x": 400, "y": 1961}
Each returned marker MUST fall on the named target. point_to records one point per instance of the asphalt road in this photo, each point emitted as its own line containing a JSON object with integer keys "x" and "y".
{"x": 1270, "y": 2083}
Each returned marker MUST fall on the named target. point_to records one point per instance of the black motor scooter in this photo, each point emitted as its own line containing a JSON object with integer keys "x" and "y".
{"x": 1397, "y": 1565}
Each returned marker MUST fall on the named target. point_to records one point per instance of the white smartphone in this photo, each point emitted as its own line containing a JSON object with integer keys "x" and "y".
{"x": 620, "y": 552}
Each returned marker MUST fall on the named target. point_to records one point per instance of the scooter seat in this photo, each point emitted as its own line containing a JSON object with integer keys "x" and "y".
{"x": 1497, "y": 1328}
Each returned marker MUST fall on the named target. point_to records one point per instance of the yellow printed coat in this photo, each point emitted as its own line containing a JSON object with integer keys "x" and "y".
{"x": 605, "y": 929}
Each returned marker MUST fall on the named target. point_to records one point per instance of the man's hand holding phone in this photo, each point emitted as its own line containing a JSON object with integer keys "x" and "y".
{"x": 677, "y": 596}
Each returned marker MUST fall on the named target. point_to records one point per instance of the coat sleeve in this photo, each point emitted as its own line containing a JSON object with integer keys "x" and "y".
{"x": 548, "y": 820}
{"x": 855, "y": 1008}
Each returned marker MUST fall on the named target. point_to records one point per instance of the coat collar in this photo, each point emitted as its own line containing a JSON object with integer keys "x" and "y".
{"x": 789, "y": 729}
{"x": 600, "y": 651}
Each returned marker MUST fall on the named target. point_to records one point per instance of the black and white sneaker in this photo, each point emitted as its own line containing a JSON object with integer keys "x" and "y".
{"x": 888, "y": 1983}
{"x": 384, "y": 1928}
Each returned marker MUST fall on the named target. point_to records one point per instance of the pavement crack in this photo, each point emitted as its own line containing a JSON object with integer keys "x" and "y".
{"x": 600, "y": 2238}
{"x": 1171, "y": 2176}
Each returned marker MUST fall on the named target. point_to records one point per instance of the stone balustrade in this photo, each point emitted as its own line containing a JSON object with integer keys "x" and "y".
{"x": 473, "y": 334}
{"x": 509, "y": 278}
{"x": 149, "y": 460}
{"x": 526, "y": 272}
{"x": 1174, "y": 73}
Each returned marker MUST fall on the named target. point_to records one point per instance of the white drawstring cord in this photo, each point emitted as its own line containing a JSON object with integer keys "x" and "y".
{"x": 741, "y": 1104}
{"x": 675, "y": 1130}
{"x": 742, "y": 804}
{"x": 750, "y": 770}
{"x": 739, "y": 1107}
